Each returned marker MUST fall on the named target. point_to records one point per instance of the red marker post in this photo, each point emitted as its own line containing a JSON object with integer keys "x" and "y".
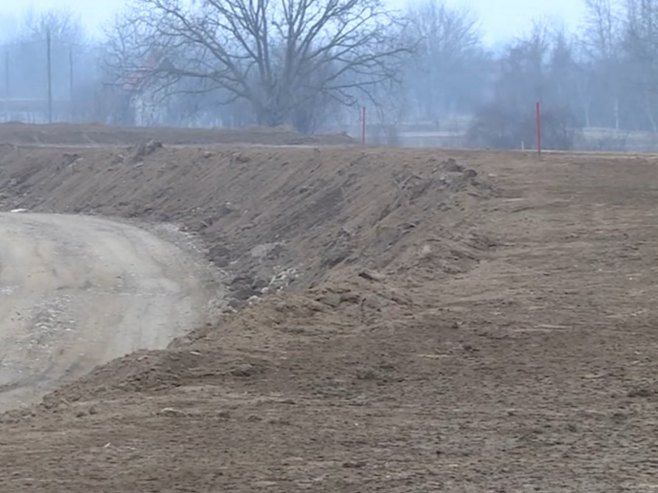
{"x": 539, "y": 133}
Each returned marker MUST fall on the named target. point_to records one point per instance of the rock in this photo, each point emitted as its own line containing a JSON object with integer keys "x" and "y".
{"x": 171, "y": 412}
{"x": 452, "y": 166}
{"x": 228, "y": 208}
{"x": 241, "y": 158}
{"x": 147, "y": 149}
{"x": 241, "y": 280}
{"x": 259, "y": 284}
{"x": 283, "y": 279}
{"x": 369, "y": 275}
{"x": 263, "y": 250}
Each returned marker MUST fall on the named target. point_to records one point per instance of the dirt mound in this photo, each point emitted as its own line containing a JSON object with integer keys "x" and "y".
{"x": 352, "y": 231}
{"x": 272, "y": 218}
{"x": 278, "y": 324}
{"x": 97, "y": 134}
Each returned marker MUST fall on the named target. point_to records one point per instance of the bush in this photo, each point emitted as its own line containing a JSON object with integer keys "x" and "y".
{"x": 493, "y": 127}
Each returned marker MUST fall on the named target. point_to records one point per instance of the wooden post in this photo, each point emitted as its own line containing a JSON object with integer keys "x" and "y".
{"x": 539, "y": 132}
{"x": 363, "y": 125}
{"x": 71, "y": 85}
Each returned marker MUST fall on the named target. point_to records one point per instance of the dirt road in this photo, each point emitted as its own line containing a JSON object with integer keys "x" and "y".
{"x": 78, "y": 291}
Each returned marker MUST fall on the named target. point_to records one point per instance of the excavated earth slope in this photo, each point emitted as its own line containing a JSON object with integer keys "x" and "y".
{"x": 399, "y": 321}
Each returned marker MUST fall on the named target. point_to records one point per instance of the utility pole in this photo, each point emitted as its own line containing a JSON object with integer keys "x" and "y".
{"x": 50, "y": 78}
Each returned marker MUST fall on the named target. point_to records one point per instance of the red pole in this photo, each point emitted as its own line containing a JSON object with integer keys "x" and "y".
{"x": 363, "y": 125}
{"x": 539, "y": 128}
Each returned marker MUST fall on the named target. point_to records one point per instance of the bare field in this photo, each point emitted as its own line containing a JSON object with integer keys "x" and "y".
{"x": 402, "y": 321}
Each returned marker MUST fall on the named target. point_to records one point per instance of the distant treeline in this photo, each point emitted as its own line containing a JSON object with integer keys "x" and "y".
{"x": 311, "y": 64}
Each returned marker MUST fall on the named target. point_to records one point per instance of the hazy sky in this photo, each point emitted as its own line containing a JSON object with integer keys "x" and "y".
{"x": 505, "y": 19}
{"x": 500, "y": 19}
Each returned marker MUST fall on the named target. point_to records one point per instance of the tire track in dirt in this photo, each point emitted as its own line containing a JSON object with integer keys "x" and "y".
{"x": 78, "y": 291}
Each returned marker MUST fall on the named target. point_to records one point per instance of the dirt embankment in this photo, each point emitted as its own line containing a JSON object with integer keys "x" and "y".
{"x": 440, "y": 329}
{"x": 323, "y": 248}
{"x": 271, "y": 217}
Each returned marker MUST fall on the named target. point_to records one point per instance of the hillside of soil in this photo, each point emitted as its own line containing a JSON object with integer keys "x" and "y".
{"x": 399, "y": 321}
{"x": 270, "y": 217}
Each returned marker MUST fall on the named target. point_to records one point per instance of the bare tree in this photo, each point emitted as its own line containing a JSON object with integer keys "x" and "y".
{"x": 63, "y": 25}
{"x": 601, "y": 89}
{"x": 285, "y": 57}
{"x": 602, "y": 29}
{"x": 539, "y": 66}
{"x": 523, "y": 70}
{"x": 641, "y": 47}
{"x": 448, "y": 75}
{"x": 31, "y": 84}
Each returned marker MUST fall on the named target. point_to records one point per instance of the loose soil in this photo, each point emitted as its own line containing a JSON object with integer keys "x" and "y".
{"x": 400, "y": 321}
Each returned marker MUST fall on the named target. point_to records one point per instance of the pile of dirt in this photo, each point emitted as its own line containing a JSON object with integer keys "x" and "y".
{"x": 354, "y": 232}
{"x": 97, "y": 134}
{"x": 272, "y": 218}
{"x": 285, "y": 323}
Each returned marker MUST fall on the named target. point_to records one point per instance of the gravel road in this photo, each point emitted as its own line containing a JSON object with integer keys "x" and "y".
{"x": 78, "y": 291}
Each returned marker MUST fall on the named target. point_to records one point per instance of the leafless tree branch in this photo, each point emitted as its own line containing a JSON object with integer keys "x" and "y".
{"x": 279, "y": 55}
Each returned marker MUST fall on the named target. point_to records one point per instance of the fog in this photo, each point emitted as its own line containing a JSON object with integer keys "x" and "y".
{"x": 427, "y": 72}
